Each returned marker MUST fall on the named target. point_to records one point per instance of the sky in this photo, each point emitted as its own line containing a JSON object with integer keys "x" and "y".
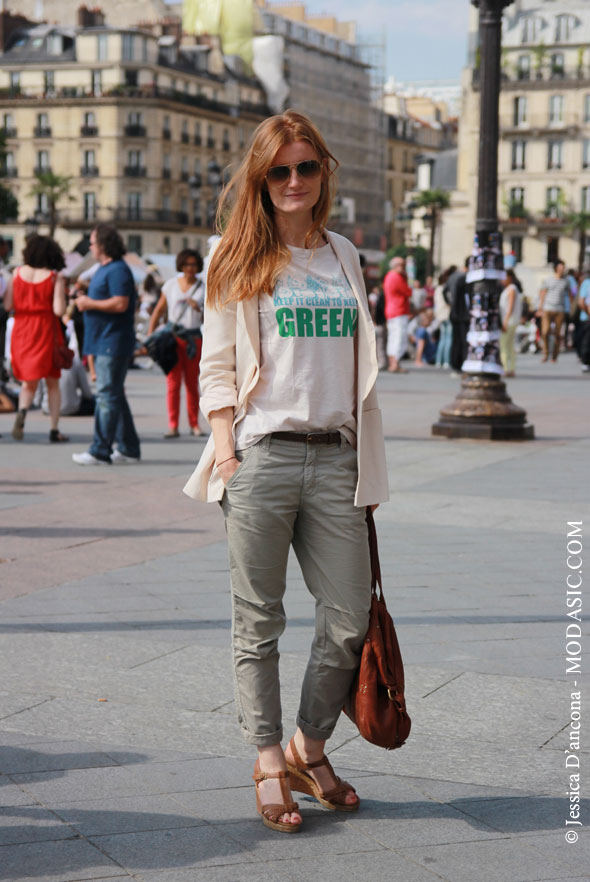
{"x": 426, "y": 39}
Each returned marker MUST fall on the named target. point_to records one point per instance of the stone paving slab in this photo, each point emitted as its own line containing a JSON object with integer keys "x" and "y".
{"x": 58, "y": 861}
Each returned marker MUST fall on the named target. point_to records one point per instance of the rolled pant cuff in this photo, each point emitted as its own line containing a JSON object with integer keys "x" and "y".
{"x": 263, "y": 740}
{"x": 313, "y": 731}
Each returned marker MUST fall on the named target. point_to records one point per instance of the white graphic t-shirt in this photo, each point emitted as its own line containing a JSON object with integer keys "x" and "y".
{"x": 307, "y": 371}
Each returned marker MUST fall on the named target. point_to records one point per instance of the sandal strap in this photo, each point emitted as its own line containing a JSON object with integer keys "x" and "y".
{"x": 275, "y": 810}
{"x": 340, "y": 788}
{"x": 259, "y": 775}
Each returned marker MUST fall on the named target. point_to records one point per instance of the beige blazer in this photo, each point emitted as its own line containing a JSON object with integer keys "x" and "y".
{"x": 230, "y": 367}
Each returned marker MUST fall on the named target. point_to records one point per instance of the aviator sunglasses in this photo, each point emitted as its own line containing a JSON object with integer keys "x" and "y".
{"x": 307, "y": 170}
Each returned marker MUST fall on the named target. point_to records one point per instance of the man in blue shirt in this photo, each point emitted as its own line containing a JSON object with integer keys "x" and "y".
{"x": 109, "y": 335}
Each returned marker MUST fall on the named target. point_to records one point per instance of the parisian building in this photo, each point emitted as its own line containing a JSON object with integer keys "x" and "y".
{"x": 544, "y": 149}
{"x": 147, "y": 129}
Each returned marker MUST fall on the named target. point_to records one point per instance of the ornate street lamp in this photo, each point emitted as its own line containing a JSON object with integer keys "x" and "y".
{"x": 482, "y": 408}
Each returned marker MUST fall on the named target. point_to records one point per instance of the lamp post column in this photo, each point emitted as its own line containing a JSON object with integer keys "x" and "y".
{"x": 482, "y": 408}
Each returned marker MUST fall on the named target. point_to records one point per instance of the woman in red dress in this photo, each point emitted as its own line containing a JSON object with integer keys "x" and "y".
{"x": 38, "y": 298}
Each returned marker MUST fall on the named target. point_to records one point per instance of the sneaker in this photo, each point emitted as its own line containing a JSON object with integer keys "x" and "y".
{"x": 87, "y": 459}
{"x": 172, "y": 433}
{"x": 118, "y": 458}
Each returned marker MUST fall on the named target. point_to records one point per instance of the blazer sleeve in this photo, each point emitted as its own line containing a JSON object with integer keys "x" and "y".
{"x": 218, "y": 359}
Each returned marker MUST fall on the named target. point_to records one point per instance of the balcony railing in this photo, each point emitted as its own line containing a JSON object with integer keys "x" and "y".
{"x": 184, "y": 176}
{"x": 42, "y": 170}
{"x": 197, "y": 140}
{"x": 134, "y": 130}
{"x": 8, "y": 133}
{"x": 533, "y": 126}
{"x": 88, "y": 131}
{"x": 129, "y": 216}
{"x": 166, "y": 174}
{"x": 185, "y": 138}
{"x": 135, "y": 171}
{"x": 11, "y": 172}
{"x": 89, "y": 171}
{"x": 197, "y": 221}
{"x": 166, "y": 134}
{"x": 42, "y": 131}
{"x": 211, "y": 142}
{"x": 226, "y": 145}
{"x": 538, "y": 77}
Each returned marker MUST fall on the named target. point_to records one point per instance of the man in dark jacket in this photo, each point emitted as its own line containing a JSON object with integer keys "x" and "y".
{"x": 457, "y": 294}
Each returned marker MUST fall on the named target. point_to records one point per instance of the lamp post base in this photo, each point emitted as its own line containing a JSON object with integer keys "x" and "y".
{"x": 483, "y": 410}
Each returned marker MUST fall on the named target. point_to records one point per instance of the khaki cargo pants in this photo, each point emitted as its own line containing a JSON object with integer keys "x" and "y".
{"x": 292, "y": 493}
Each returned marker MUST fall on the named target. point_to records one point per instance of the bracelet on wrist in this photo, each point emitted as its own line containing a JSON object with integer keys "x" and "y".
{"x": 217, "y": 464}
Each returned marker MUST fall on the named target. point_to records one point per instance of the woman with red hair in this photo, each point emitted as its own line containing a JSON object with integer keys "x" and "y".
{"x": 296, "y": 453}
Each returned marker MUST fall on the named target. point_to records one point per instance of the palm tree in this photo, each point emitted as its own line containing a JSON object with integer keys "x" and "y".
{"x": 54, "y": 188}
{"x": 579, "y": 222}
{"x": 435, "y": 201}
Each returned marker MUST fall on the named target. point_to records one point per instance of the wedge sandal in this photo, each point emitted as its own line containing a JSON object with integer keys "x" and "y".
{"x": 271, "y": 812}
{"x": 303, "y": 782}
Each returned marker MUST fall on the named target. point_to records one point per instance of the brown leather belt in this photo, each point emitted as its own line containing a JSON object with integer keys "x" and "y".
{"x": 309, "y": 437}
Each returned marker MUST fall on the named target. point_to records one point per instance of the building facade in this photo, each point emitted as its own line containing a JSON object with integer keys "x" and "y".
{"x": 146, "y": 128}
{"x": 544, "y": 150}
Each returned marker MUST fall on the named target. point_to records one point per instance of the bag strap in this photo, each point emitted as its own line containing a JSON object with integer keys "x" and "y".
{"x": 374, "y": 554}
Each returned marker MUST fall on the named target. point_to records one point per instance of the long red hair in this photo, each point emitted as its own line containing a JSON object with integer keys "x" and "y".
{"x": 251, "y": 255}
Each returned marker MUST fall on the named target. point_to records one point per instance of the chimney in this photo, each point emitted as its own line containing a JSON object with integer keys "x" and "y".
{"x": 90, "y": 18}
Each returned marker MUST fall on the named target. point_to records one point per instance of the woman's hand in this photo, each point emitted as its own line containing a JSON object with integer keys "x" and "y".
{"x": 227, "y": 468}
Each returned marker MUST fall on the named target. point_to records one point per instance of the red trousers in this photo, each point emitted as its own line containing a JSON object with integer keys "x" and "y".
{"x": 187, "y": 368}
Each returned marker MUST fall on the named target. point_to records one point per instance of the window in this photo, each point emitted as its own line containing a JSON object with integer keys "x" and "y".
{"x": 517, "y": 195}
{"x": 553, "y": 201}
{"x": 516, "y": 247}
{"x": 586, "y": 108}
{"x": 131, "y": 78}
{"x": 8, "y": 165}
{"x": 586, "y": 153}
{"x": 184, "y": 167}
{"x": 89, "y": 119}
{"x": 49, "y": 80}
{"x": 55, "y": 44}
{"x": 556, "y": 109}
{"x": 134, "y": 243}
{"x": 15, "y": 81}
{"x": 520, "y": 108}
{"x": 135, "y": 118}
{"x": 557, "y": 64}
{"x": 585, "y": 198}
{"x": 144, "y": 49}
{"x": 524, "y": 67}
{"x": 42, "y": 121}
{"x": 42, "y": 203}
{"x": 96, "y": 83}
{"x": 42, "y": 160}
{"x": 552, "y": 249}
{"x": 184, "y": 205}
{"x": 554, "y": 154}
{"x": 133, "y": 205}
{"x": 166, "y": 202}
{"x": 166, "y": 165}
{"x": 197, "y": 133}
{"x": 102, "y": 47}
{"x": 8, "y": 121}
{"x": 89, "y": 159}
{"x": 518, "y": 155}
{"x": 242, "y": 136}
{"x": 89, "y": 206}
{"x": 128, "y": 47}
{"x": 166, "y": 123}
{"x": 134, "y": 158}
{"x": 531, "y": 30}
{"x": 563, "y": 31}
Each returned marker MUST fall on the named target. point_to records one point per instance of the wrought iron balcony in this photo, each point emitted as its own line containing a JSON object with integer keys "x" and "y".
{"x": 166, "y": 174}
{"x": 211, "y": 142}
{"x": 197, "y": 140}
{"x": 42, "y": 131}
{"x": 166, "y": 134}
{"x": 11, "y": 172}
{"x": 42, "y": 170}
{"x": 8, "y": 133}
{"x": 88, "y": 131}
{"x": 185, "y": 138}
{"x": 184, "y": 176}
{"x": 135, "y": 171}
{"x": 133, "y": 130}
{"x": 89, "y": 171}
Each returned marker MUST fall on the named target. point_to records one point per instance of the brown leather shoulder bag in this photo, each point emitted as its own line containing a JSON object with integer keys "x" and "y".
{"x": 376, "y": 703}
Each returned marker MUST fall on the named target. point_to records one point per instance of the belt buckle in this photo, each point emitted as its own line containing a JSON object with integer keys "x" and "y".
{"x": 311, "y": 437}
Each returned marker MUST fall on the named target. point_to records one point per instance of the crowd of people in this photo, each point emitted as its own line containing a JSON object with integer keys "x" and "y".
{"x": 108, "y": 323}
{"x": 428, "y": 325}
{"x": 64, "y": 336}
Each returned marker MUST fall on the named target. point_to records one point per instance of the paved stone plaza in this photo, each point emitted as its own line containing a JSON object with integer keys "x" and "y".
{"x": 121, "y": 758}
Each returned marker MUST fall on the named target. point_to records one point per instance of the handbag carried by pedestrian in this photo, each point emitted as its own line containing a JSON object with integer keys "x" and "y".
{"x": 63, "y": 356}
{"x": 161, "y": 345}
{"x": 376, "y": 703}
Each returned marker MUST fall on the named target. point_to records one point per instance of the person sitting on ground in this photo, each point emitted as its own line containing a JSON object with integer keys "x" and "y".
{"x": 425, "y": 345}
